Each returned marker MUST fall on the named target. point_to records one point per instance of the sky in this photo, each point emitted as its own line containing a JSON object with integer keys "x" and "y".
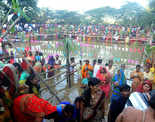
{"x": 84, "y": 5}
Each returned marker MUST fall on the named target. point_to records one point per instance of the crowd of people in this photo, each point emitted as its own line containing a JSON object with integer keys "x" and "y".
{"x": 114, "y": 85}
{"x": 105, "y": 92}
{"x": 129, "y": 34}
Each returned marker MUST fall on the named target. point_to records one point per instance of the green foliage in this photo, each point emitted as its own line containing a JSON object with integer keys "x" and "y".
{"x": 26, "y": 8}
{"x": 130, "y": 13}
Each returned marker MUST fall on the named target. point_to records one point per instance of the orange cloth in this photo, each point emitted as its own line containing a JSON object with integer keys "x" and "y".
{"x": 85, "y": 69}
{"x": 3, "y": 31}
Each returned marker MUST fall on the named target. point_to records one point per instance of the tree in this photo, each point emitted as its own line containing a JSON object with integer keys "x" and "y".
{"x": 29, "y": 6}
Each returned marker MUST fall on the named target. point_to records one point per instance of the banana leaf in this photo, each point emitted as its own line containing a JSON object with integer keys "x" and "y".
{"x": 148, "y": 49}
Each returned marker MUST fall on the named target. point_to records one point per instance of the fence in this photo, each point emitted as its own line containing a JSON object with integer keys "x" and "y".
{"x": 50, "y": 89}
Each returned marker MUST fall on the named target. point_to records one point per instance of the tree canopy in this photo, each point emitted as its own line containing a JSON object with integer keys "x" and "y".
{"x": 130, "y": 13}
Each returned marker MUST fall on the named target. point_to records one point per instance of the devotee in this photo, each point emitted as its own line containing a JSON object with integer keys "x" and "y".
{"x": 11, "y": 73}
{"x": 37, "y": 57}
{"x": 31, "y": 58}
{"x": 57, "y": 60}
{"x": 117, "y": 81}
{"x": 94, "y": 102}
{"x": 33, "y": 83}
{"x": 123, "y": 67}
{"x": 110, "y": 68}
{"x": 148, "y": 74}
{"x": 145, "y": 87}
{"x": 104, "y": 76}
{"x": 37, "y": 67}
{"x": 5, "y": 98}
{"x": 94, "y": 62}
{"x": 80, "y": 75}
{"x": 85, "y": 68}
{"x": 26, "y": 72}
{"x": 85, "y": 81}
{"x": 131, "y": 114}
{"x": 30, "y": 108}
{"x": 66, "y": 112}
{"x": 57, "y": 65}
{"x": 97, "y": 67}
{"x": 18, "y": 69}
{"x": 153, "y": 74}
{"x": 79, "y": 102}
{"x": 51, "y": 61}
{"x": 117, "y": 105}
{"x": 137, "y": 77}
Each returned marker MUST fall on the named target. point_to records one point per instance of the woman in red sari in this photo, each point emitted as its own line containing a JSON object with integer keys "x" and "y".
{"x": 30, "y": 108}
{"x": 104, "y": 77}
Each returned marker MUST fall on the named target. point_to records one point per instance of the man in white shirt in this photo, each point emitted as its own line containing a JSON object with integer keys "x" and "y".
{"x": 110, "y": 68}
{"x": 97, "y": 67}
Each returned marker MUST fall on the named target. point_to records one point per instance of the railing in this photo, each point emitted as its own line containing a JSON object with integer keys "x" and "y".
{"x": 49, "y": 84}
{"x": 98, "y": 38}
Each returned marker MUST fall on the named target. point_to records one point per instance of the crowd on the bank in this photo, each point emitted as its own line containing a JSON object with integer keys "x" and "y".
{"x": 20, "y": 99}
{"x": 115, "y": 32}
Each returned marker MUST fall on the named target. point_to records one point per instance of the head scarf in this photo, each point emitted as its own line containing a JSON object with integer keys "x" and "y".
{"x": 140, "y": 87}
{"x": 11, "y": 73}
{"x": 99, "y": 75}
{"x": 120, "y": 78}
{"x": 25, "y": 64}
{"x": 148, "y": 83}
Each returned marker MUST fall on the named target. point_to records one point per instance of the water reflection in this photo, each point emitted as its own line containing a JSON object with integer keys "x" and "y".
{"x": 62, "y": 90}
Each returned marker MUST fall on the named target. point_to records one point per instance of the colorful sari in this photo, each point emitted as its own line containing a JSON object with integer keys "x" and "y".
{"x": 105, "y": 80}
{"x": 94, "y": 112}
{"x": 85, "y": 69}
{"x": 30, "y": 108}
{"x": 121, "y": 81}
